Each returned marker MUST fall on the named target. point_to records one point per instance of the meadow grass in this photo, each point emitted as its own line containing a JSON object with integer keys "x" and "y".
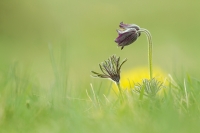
{"x": 27, "y": 107}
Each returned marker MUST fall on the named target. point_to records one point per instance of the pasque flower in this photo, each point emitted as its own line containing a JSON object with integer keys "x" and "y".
{"x": 110, "y": 69}
{"x": 127, "y": 34}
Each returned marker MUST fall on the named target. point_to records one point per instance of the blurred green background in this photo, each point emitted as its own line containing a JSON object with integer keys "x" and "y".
{"x": 87, "y": 29}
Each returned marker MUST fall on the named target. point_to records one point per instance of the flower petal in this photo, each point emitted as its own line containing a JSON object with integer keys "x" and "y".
{"x": 126, "y": 38}
{"x": 126, "y": 26}
{"x": 130, "y": 30}
{"x": 124, "y": 34}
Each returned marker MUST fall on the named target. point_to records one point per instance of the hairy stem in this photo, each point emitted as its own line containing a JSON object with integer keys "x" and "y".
{"x": 150, "y": 47}
{"x": 120, "y": 91}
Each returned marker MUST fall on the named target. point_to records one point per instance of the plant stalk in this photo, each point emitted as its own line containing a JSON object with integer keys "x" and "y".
{"x": 120, "y": 91}
{"x": 150, "y": 47}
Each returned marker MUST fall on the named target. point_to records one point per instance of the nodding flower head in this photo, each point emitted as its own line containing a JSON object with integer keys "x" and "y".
{"x": 127, "y": 34}
{"x": 110, "y": 69}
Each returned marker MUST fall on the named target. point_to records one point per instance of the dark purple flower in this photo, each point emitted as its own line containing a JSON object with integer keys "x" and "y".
{"x": 127, "y": 34}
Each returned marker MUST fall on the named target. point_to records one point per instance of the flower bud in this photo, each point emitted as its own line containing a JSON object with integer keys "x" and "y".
{"x": 127, "y": 35}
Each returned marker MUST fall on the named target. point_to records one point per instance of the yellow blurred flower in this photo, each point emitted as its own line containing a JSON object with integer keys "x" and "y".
{"x": 131, "y": 77}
